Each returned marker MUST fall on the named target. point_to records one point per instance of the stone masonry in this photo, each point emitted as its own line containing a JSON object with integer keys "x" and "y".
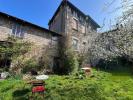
{"x": 40, "y": 38}
{"x": 63, "y": 23}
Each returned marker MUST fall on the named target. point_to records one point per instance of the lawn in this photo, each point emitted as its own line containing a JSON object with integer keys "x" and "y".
{"x": 99, "y": 86}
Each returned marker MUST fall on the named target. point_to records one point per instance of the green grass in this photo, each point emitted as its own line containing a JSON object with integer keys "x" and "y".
{"x": 101, "y": 86}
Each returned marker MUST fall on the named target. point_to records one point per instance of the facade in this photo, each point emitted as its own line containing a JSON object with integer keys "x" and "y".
{"x": 41, "y": 38}
{"x": 76, "y": 27}
{"x": 73, "y": 27}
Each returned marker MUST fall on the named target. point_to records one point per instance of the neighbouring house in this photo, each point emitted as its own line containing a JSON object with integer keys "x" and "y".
{"x": 70, "y": 25}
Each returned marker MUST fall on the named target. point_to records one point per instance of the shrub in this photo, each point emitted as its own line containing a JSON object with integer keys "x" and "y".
{"x": 45, "y": 59}
{"x": 11, "y": 51}
{"x": 71, "y": 63}
{"x": 80, "y": 74}
{"x": 29, "y": 65}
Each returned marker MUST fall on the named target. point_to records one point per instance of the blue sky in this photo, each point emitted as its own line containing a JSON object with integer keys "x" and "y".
{"x": 40, "y": 11}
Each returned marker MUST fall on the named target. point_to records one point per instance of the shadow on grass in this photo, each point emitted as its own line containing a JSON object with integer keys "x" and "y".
{"x": 118, "y": 66}
{"x": 21, "y": 94}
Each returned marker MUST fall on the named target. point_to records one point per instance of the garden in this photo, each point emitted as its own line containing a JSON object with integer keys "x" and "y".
{"x": 110, "y": 79}
{"x": 100, "y": 85}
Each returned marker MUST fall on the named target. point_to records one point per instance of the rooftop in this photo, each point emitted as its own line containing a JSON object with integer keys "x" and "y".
{"x": 76, "y": 9}
{"x": 26, "y": 22}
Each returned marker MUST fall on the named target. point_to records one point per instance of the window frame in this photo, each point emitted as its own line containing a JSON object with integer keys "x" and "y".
{"x": 17, "y": 30}
{"x": 77, "y": 48}
{"x": 54, "y": 41}
{"x": 76, "y": 20}
{"x": 83, "y": 26}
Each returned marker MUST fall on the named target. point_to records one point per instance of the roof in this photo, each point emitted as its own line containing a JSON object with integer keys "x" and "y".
{"x": 76, "y": 9}
{"x": 26, "y": 22}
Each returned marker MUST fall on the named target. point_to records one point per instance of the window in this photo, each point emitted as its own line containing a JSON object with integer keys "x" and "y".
{"x": 83, "y": 29}
{"x": 89, "y": 28}
{"x": 54, "y": 41}
{"x": 75, "y": 44}
{"x": 17, "y": 30}
{"x": 75, "y": 24}
{"x": 74, "y": 14}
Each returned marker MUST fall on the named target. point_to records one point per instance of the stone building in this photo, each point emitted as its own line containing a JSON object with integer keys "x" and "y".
{"x": 41, "y": 38}
{"x": 72, "y": 26}
{"x": 76, "y": 28}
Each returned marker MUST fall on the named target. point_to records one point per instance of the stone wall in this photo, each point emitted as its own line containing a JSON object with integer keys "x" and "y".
{"x": 39, "y": 38}
{"x": 5, "y": 28}
{"x": 58, "y": 24}
{"x": 86, "y": 37}
{"x": 63, "y": 21}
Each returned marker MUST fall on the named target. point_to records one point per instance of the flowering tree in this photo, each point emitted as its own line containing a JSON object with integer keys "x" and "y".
{"x": 117, "y": 42}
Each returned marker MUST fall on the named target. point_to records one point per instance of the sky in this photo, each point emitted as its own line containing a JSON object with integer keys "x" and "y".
{"x": 39, "y": 12}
